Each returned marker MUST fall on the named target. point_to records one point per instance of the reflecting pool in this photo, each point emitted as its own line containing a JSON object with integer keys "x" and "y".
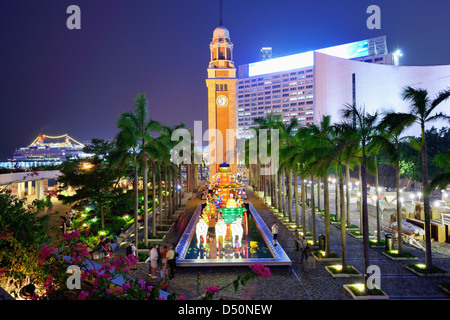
{"x": 232, "y": 237}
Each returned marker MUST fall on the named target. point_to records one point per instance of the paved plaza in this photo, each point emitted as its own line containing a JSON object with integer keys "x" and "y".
{"x": 309, "y": 280}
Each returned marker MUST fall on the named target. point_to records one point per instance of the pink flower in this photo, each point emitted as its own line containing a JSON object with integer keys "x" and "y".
{"x": 181, "y": 298}
{"x": 83, "y": 295}
{"x": 260, "y": 270}
{"x": 46, "y": 251}
{"x": 212, "y": 289}
{"x": 126, "y": 286}
{"x": 73, "y": 235}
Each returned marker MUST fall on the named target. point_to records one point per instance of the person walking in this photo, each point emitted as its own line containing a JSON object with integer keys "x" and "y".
{"x": 171, "y": 260}
{"x": 63, "y": 225}
{"x": 305, "y": 249}
{"x": 153, "y": 261}
{"x": 131, "y": 249}
{"x": 297, "y": 239}
{"x": 164, "y": 266}
{"x": 274, "y": 233}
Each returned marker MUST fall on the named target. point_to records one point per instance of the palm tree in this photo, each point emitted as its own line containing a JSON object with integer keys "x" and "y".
{"x": 421, "y": 113}
{"x": 318, "y": 142}
{"x": 139, "y": 123}
{"x": 165, "y": 139}
{"x": 391, "y": 128}
{"x": 363, "y": 130}
{"x": 126, "y": 146}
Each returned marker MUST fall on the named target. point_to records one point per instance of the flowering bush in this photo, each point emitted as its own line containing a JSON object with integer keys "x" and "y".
{"x": 257, "y": 270}
{"x": 28, "y": 259}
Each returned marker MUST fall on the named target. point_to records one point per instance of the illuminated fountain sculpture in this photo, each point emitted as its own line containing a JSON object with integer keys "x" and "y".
{"x": 221, "y": 231}
{"x": 237, "y": 231}
{"x": 226, "y": 230}
{"x": 201, "y": 230}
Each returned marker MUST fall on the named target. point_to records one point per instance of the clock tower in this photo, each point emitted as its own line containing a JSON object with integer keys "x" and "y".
{"x": 221, "y": 83}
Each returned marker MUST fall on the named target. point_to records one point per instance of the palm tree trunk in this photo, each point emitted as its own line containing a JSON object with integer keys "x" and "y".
{"x": 343, "y": 221}
{"x": 283, "y": 195}
{"x": 136, "y": 204}
{"x": 174, "y": 188}
{"x": 313, "y": 210}
{"x": 326, "y": 204}
{"x": 154, "y": 201}
{"x": 275, "y": 190}
{"x": 160, "y": 197}
{"x": 272, "y": 190}
{"x": 360, "y": 201}
{"x": 347, "y": 179}
{"x": 169, "y": 192}
{"x": 303, "y": 188}
{"x": 297, "y": 218}
{"x": 336, "y": 200}
{"x": 180, "y": 193}
{"x": 166, "y": 198}
{"x": 426, "y": 203}
{"x": 145, "y": 187}
{"x": 377, "y": 192}
{"x": 399, "y": 207}
{"x": 289, "y": 190}
{"x": 319, "y": 191}
{"x": 365, "y": 218}
{"x": 280, "y": 188}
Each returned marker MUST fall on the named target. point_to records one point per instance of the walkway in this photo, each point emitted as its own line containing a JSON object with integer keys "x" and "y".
{"x": 308, "y": 280}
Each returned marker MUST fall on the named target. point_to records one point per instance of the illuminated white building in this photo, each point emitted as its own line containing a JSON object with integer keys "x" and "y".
{"x": 288, "y": 85}
{"x": 376, "y": 87}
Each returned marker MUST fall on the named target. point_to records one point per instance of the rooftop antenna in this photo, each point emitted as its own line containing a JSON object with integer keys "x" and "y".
{"x": 220, "y": 12}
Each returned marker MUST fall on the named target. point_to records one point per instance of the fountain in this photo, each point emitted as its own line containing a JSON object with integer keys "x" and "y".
{"x": 228, "y": 230}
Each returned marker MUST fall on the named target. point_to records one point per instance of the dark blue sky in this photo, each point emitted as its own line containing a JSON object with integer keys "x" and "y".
{"x": 56, "y": 81}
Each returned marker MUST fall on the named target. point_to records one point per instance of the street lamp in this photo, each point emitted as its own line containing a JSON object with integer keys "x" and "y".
{"x": 86, "y": 165}
{"x": 419, "y": 194}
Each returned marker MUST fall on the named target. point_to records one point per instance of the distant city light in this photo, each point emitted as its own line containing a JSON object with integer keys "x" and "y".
{"x": 306, "y": 59}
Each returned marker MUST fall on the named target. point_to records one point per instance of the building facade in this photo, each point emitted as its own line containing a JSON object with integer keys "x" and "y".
{"x": 287, "y": 85}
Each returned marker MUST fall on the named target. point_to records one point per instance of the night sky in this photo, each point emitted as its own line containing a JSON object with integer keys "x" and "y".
{"x": 55, "y": 80}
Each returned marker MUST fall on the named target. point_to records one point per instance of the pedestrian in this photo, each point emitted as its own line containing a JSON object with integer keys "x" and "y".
{"x": 274, "y": 233}
{"x": 102, "y": 247}
{"x": 171, "y": 260}
{"x": 305, "y": 249}
{"x": 113, "y": 244}
{"x": 63, "y": 225}
{"x": 164, "y": 266}
{"x": 297, "y": 239}
{"x": 153, "y": 255}
{"x": 131, "y": 249}
{"x": 159, "y": 250}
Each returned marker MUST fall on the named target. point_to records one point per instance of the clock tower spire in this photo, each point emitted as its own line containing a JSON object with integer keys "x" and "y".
{"x": 221, "y": 84}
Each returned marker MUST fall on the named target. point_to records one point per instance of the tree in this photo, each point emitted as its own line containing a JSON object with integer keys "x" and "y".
{"x": 421, "y": 113}
{"x": 391, "y": 129}
{"x": 364, "y": 127}
{"x": 317, "y": 145}
{"x": 93, "y": 182}
{"x": 99, "y": 147}
{"x": 139, "y": 126}
{"x": 126, "y": 151}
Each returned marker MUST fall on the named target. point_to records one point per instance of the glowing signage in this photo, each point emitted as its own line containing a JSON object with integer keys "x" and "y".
{"x": 306, "y": 59}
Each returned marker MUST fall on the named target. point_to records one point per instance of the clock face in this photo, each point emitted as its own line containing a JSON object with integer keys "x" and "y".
{"x": 222, "y": 101}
